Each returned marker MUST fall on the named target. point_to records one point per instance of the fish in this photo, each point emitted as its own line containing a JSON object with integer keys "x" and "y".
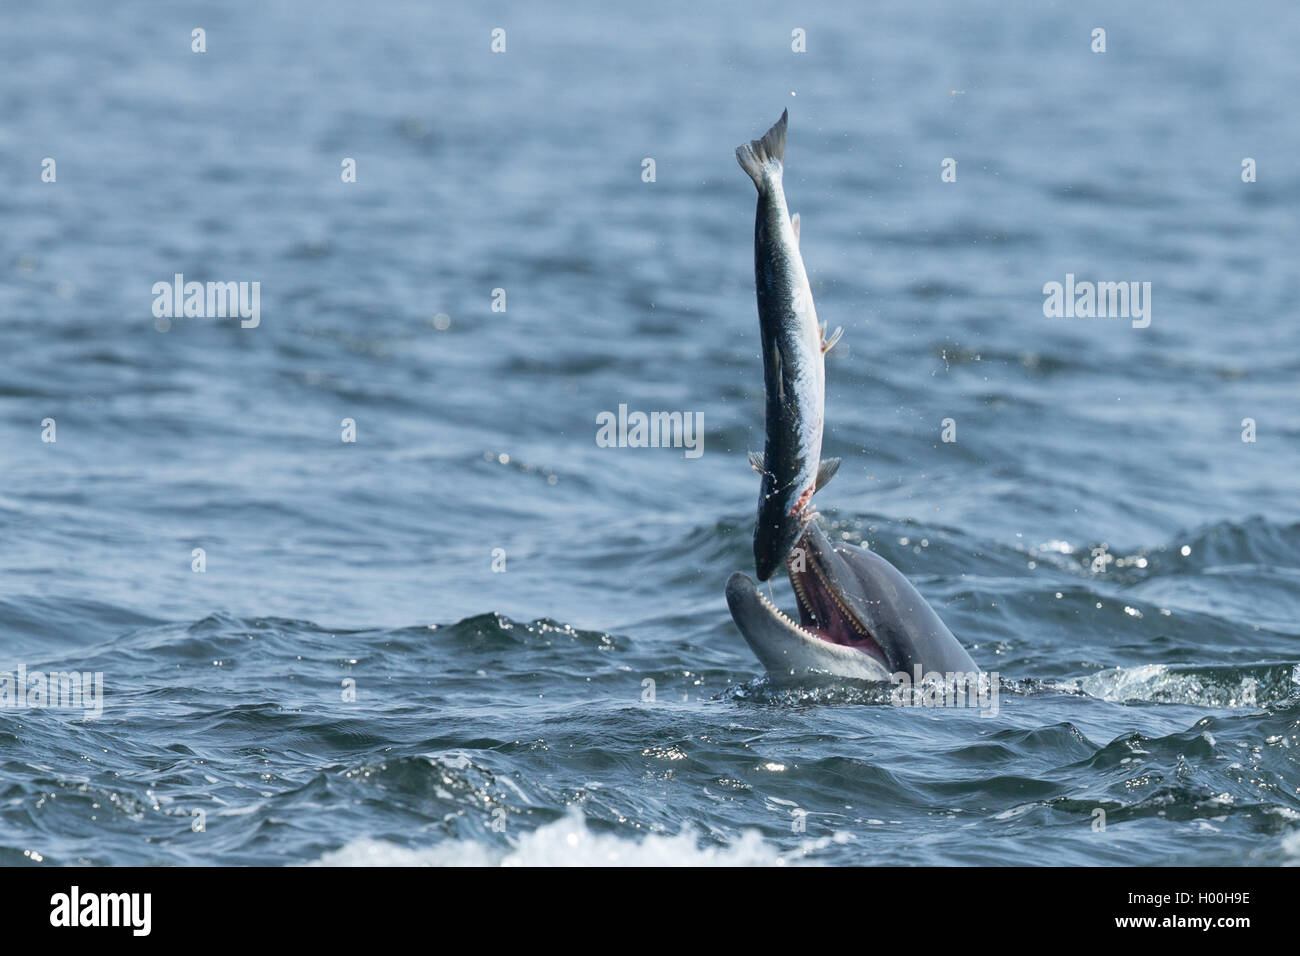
{"x": 794, "y": 346}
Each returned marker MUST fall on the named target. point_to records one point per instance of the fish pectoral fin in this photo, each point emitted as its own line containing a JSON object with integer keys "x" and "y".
{"x": 826, "y": 471}
{"x": 828, "y": 344}
{"x": 794, "y": 224}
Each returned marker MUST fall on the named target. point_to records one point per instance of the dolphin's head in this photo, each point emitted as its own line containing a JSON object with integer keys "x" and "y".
{"x": 858, "y": 617}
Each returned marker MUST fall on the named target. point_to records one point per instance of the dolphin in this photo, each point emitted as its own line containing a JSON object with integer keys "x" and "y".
{"x": 858, "y": 618}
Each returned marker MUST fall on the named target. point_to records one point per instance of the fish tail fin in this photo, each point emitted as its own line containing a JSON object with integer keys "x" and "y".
{"x": 766, "y": 156}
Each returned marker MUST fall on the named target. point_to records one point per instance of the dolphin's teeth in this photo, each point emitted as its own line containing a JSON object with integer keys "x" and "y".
{"x": 844, "y": 608}
{"x": 786, "y": 618}
{"x": 801, "y": 596}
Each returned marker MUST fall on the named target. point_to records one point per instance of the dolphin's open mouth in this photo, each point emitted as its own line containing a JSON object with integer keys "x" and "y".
{"x": 823, "y": 613}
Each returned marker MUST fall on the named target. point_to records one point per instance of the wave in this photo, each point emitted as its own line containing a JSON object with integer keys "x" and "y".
{"x": 1250, "y": 686}
{"x": 568, "y": 841}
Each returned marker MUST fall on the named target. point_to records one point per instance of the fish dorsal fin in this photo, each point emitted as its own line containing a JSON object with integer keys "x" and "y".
{"x": 826, "y": 471}
{"x": 794, "y": 224}
{"x": 756, "y": 461}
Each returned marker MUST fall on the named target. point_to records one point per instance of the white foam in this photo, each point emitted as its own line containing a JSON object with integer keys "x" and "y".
{"x": 1161, "y": 683}
{"x": 566, "y": 842}
{"x": 1291, "y": 847}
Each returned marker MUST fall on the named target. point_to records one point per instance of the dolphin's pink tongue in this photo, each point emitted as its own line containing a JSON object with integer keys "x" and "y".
{"x": 820, "y": 614}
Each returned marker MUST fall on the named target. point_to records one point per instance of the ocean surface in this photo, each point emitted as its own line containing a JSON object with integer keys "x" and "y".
{"x": 475, "y": 635}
